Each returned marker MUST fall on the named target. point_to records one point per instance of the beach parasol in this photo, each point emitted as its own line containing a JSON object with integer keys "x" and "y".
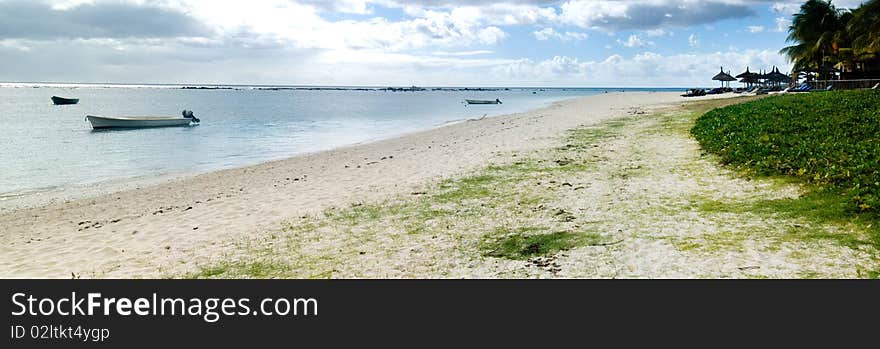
{"x": 746, "y": 74}
{"x": 776, "y": 76}
{"x": 747, "y": 77}
{"x": 723, "y": 77}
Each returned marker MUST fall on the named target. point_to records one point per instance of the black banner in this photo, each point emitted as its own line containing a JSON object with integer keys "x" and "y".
{"x": 413, "y": 313}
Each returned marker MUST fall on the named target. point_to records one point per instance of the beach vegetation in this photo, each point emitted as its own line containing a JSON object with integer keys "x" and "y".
{"x": 829, "y": 140}
{"x": 256, "y": 269}
{"x": 528, "y": 242}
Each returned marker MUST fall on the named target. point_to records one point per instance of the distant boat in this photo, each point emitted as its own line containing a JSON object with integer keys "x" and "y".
{"x": 104, "y": 122}
{"x": 64, "y": 101}
{"x": 476, "y": 101}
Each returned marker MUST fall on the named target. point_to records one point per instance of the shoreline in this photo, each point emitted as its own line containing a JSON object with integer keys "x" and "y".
{"x": 127, "y": 233}
{"x": 37, "y": 197}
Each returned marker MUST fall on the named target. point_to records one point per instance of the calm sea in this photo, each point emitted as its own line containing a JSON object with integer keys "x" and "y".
{"x": 43, "y": 146}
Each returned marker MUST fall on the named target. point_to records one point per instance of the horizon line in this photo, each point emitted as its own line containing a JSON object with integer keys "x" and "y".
{"x": 328, "y": 86}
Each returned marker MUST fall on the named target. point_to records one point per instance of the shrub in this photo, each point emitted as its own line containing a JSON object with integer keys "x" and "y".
{"x": 831, "y": 139}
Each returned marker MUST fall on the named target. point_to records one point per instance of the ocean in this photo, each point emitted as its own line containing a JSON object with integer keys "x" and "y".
{"x": 45, "y": 147}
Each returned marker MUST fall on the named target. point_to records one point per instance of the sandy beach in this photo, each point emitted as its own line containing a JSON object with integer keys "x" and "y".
{"x": 641, "y": 192}
{"x": 146, "y": 231}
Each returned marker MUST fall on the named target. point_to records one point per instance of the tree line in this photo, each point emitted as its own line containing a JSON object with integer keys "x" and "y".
{"x": 825, "y": 37}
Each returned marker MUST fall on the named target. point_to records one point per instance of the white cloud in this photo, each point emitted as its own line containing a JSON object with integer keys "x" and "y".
{"x": 14, "y": 45}
{"x": 462, "y": 53}
{"x": 786, "y": 8}
{"x": 305, "y": 41}
{"x": 634, "y": 41}
{"x": 645, "y": 69}
{"x": 756, "y": 29}
{"x": 791, "y": 7}
{"x": 782, "y": 24}
{"x": 659, "y": 32}
{"x": 650, "y": 14}
{"x": 549, "y": 33}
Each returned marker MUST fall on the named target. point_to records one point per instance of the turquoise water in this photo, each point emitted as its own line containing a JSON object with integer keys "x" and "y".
{"x": 43, "y": 146}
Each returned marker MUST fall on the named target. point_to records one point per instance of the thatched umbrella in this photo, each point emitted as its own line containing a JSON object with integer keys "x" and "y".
{"x": 749, "y": 80}
{"x": 747, "y": 77}
{"x": 776, "y": 76}
{"x": 763, "y": 78}
{"x": 723, "y": 77}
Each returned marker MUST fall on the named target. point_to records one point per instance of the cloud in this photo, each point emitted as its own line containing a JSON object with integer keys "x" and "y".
{"x": 634, "y": 41}
{"x": 87, "y": 19}
{"x": 462, "y": 53}
{"x": 345, "y": 42}
{"x": 791, "y": 7}
{"x": 786, "y": 8}
{"x": 14, "y": 45}
{"x": 360, "y": 7}
{"x": 549, "y": 33}
{"x": 658, "y": 32}
{"x": 642, "y": 69}
{"x": 782, "y": 24}
{"x": 653, "y": 14}
{"x": 756, "y": 29}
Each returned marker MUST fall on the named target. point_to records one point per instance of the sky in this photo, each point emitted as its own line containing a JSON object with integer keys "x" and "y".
{"x": 540, "y": 43}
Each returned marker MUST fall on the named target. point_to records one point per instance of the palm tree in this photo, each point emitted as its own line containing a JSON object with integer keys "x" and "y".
{"x": 817, "y": 32}
{"x": 864, "y": 28}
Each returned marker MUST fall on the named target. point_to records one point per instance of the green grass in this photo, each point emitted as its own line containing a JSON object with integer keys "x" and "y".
{"x": 258, "y": 269}
{"x": 525, "y": 243}
{"x": 817, "y": 211}
{"x": 828, "y": 139}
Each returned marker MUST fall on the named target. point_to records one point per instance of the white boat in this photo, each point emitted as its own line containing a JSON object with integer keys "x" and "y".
{"x": 102, "y": 122}
{"x": 476, "y": 101}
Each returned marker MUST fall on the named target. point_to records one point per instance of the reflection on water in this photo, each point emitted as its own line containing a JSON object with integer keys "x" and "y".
{"x": 43, "y": 145}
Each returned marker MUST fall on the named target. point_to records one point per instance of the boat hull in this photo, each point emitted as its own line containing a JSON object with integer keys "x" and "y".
{"x": 102, "y": 122}
{"x": 64, "y": 101}
{"x": 471, "y": 101}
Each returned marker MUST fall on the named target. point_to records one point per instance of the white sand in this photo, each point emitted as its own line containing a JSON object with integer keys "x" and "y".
{"x": 140, "y": 232}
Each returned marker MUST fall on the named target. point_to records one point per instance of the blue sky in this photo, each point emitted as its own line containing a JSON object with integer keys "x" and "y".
{"x": 607, "y": 43}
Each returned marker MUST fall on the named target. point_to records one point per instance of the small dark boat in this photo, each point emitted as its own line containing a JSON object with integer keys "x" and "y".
{"x": 64, "y": 101}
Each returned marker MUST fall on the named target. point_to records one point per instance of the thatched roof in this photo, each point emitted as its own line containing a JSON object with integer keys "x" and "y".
{"x": 775, "y": 75}
{"x": 746, "y": 75}
{"x": 722, "y": 76}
